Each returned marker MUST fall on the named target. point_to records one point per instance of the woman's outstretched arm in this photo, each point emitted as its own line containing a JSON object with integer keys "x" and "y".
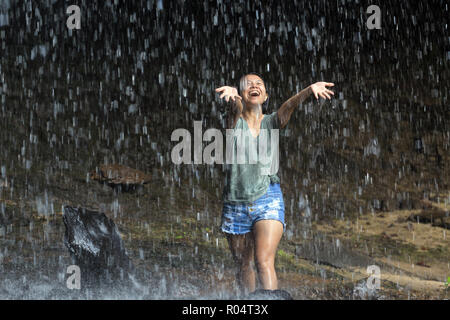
{"x": 236, "y": 104}
{"x": 319, "y": 89}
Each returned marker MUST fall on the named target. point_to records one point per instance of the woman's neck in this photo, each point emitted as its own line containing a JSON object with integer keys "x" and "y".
{"x": 252, "y": 113}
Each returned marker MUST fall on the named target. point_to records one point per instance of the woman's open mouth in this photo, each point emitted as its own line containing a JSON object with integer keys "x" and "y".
{"x": 254, "y": 93}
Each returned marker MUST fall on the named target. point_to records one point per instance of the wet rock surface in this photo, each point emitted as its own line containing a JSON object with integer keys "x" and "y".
{"x": 262, "y": 294}
{"x": 117, "y": 175}
{"x": 325, "y": 251}
{"x": 96, "y": 247}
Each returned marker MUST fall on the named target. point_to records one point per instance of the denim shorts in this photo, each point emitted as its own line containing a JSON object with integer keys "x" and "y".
{"x": 239, "y": 218}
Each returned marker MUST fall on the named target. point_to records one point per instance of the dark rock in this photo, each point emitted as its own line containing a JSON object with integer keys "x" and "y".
{"x": 436, "y": 217}
{"x": 97, "y": 248}
{"x": 262, "y": 294}
{"x": 120, "y": 176}
{"x": 423, "y": 264}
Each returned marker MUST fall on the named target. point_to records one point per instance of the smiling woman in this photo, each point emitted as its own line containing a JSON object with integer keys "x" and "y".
{"x": 253, "y": 206}
{"x": 255, "y": 85}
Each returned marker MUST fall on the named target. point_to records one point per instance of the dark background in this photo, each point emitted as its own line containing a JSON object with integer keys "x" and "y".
{"x": 114, "y": 90}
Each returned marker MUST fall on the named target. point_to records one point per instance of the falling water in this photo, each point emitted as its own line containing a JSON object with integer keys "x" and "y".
{"x": 113, "y": 91}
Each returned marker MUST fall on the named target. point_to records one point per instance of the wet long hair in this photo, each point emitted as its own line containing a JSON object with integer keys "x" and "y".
{"x": 241, "y": 87}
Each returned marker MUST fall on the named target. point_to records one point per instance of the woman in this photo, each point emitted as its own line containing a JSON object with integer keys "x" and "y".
{"x": 253, "y": 207}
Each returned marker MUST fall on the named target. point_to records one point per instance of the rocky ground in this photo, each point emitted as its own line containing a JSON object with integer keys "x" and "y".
{"x": 174, "y": 240}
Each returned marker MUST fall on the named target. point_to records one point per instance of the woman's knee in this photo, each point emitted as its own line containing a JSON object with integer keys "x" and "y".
{"x": 265, "y": 262}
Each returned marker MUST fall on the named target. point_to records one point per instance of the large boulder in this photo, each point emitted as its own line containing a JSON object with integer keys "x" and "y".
{"x": 96, "y": 247}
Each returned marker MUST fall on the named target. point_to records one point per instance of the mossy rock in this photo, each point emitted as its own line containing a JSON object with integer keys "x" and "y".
{"x": 117, "y": 174}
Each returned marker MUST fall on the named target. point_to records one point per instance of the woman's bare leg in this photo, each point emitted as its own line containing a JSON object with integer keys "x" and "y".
{"x": 242, "y": 249}
{"x": 267, "y": 235}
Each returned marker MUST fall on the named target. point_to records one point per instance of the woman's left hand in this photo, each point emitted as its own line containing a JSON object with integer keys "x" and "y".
{"x": 320, "y": 89}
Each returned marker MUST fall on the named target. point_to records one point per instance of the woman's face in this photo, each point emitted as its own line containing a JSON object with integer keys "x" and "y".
{"x": 253, "y": 90}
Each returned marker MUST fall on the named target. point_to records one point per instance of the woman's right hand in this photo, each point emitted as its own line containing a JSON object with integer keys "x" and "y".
{"x": 228, "y": 92}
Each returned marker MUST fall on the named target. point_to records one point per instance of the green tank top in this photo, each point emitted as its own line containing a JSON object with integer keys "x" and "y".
{"x": 251, "y": 163}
